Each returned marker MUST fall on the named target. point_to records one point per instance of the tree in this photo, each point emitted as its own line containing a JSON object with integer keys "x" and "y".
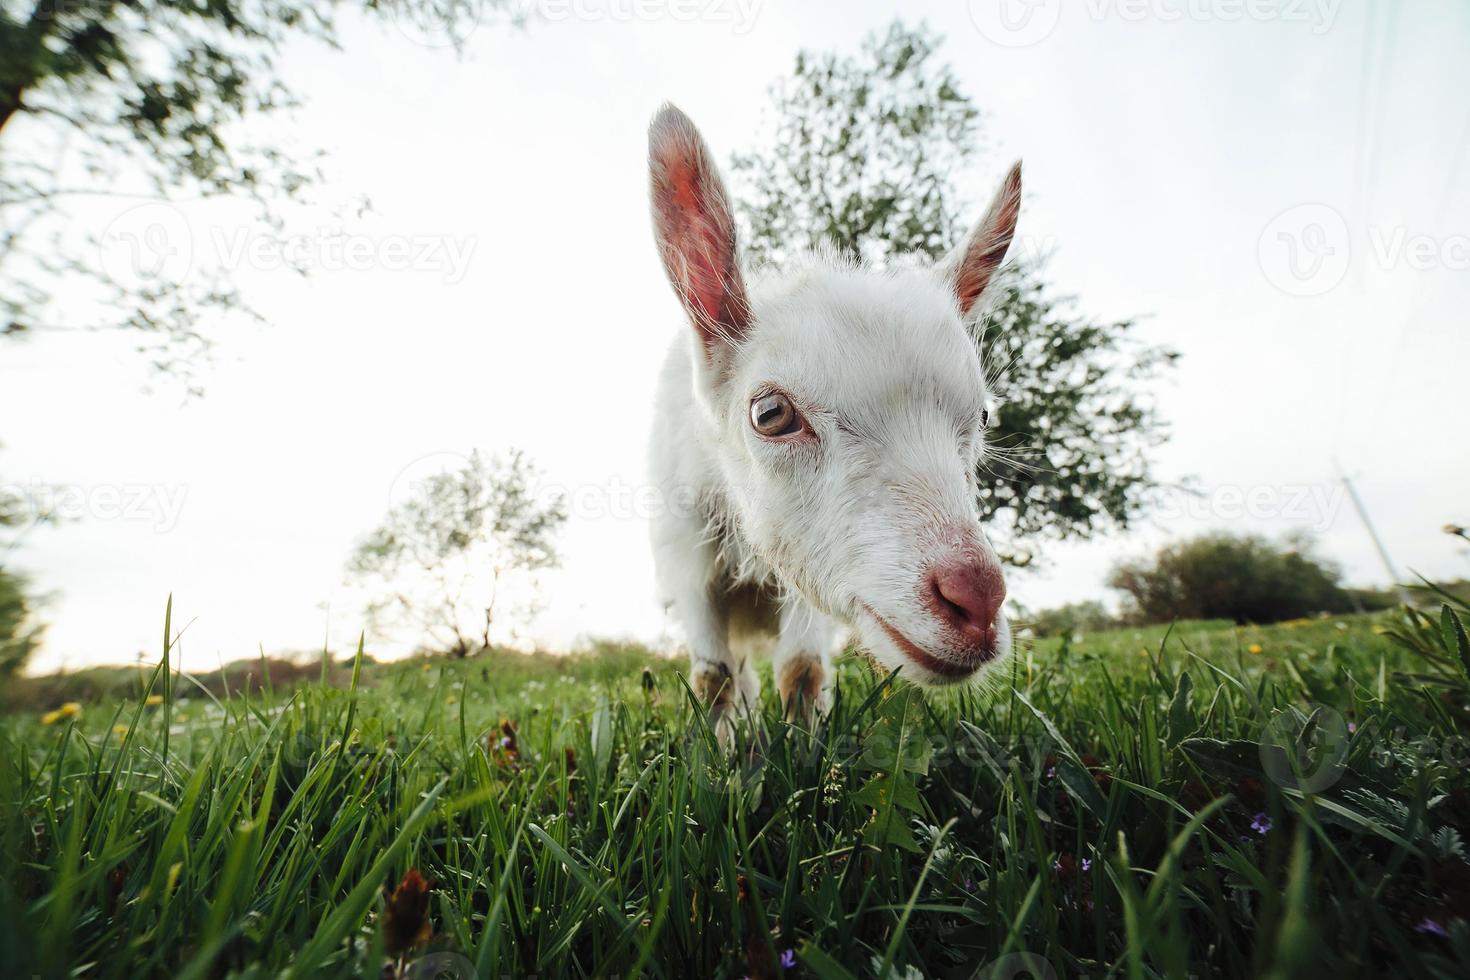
{"x": 442, "y": 557}
{"x": 144, "y": 98}
{"x": 19, "y": 636}
{"x": 1088, "y": 616}
{"x": 1221, "y": 576}
{"x": 860, "y": 156}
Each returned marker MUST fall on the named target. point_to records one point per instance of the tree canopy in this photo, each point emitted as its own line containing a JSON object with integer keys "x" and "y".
{"x": 145, "y": 99}
{"x": 443, "y": 555}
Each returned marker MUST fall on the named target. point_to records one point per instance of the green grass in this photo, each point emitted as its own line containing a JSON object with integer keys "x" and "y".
{"x": 1104, "y": 807}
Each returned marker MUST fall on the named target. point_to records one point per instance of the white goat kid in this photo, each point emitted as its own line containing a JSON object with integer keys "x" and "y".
{"x": 816, "y": 442}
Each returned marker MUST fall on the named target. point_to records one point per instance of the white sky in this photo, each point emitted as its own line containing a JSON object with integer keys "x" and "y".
{"x": 1162, "y": 140}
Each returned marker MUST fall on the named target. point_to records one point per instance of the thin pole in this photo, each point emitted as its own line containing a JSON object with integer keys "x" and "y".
{"x": 1393, "y": 573}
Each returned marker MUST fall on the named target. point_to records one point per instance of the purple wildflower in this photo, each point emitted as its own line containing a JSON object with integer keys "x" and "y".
{"x": 1087, "y": 864}
{"x": 969, "y": 884}
{"x": 1433, "y": 928}
{"x": 1051, "y": 772}
{"x": 788, "y": 960}
{"x": 505, "y": 742}
{"x": 1352, "y": 727}
{"x": 1261, "y": 824}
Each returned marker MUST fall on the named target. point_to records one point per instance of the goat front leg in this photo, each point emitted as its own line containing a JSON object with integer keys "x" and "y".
{"x": 803, "y": 661}
{"x": 727, "y": 685}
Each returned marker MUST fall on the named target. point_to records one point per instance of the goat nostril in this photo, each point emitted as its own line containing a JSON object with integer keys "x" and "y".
{"x": 952, "y": 610}
{"x": 968, "y": 598}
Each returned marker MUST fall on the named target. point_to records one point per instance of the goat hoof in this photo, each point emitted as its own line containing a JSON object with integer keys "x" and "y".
{"x": 721, "y": 694}
{"x": 805, "y": 696}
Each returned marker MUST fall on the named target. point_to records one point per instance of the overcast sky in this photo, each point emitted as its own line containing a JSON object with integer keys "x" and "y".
{"x": 1280, "y": 190}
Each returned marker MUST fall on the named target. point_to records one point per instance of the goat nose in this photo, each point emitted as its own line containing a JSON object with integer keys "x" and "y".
{"x": 969, "y": 597}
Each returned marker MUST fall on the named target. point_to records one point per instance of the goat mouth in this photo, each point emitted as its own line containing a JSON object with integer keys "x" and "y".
{"x": 948, "y": 671}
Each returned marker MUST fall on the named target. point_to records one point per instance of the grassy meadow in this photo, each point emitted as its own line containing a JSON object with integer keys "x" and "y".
{"x": 1206, "y": 800}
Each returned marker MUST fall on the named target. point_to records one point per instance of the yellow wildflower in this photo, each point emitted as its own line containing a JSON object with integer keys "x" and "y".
{"x": 451, "y": 699}
{"x": 1253, "y": 648}
{"x": 69, "y": 710}
{"x": 154, "y": 700}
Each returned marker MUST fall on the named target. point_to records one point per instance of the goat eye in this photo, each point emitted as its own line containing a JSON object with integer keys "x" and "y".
{"x": 984, "y": 418}
{"x": 773, "y": 415}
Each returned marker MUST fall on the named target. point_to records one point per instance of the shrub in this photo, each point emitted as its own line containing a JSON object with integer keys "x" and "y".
{"x": 1247, "y": 579}
{"x": 18, "y": 635}
{"x": 1090, "y": 616}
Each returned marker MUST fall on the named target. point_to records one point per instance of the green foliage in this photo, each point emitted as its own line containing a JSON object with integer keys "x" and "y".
{"x": 1439, "y": 639}
{"x": 441, "y": 557}
{"x": 861, "y": 156}
{"x": 1111, "y": 815}
{"x": 146, "y": 96}
{"x": 19, "y": 635}
{"x": 1074, "y": 617}
{"x": 1222, "y": 576}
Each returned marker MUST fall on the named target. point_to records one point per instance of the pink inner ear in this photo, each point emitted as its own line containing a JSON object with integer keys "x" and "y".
{"x": 975, "y": 274}
{"x": 697, "y": 238}
{"x": 988, "y": 245}
{"x": 700, "y": 245}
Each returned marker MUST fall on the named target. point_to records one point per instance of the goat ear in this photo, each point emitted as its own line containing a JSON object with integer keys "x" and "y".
{"x": 970, "y": 268}
{"x": 695, "y": 230}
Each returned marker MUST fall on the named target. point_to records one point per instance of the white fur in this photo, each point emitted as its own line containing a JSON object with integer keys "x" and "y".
{"x": 850, "y": 522}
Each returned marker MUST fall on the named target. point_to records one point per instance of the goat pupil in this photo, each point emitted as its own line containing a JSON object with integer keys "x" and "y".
{"x": 771, "y": 414}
